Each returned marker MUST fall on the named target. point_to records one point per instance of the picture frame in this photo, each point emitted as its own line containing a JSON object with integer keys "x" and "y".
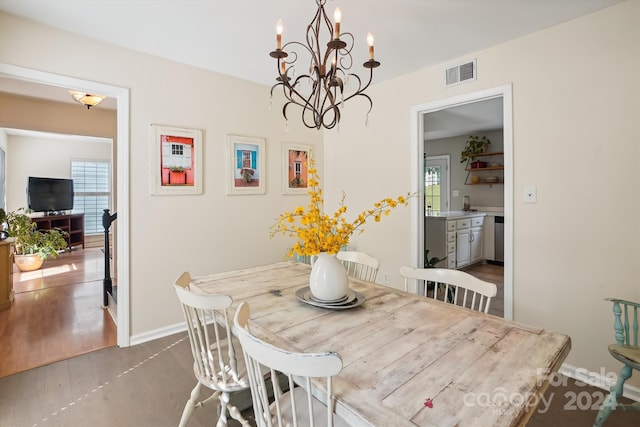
{"x": 246, "y": 165}
{"x": 176, "y": 160}
{"x": 295, "y": 168}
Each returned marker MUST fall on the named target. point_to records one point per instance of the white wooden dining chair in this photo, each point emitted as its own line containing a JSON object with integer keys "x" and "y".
{"x": 215, "y": 364}
{"x": 302, "y": 404}
{"x": 453, "y": 286}
{"x": 626, "y": 350}
{"x": 359, "y": 265}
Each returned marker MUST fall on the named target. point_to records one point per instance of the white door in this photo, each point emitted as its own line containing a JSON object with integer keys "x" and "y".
{"x": 436, "y": 184}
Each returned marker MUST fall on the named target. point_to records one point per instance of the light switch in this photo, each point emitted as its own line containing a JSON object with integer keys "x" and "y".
{"x": 456, "y": 193}
{"x": 530, "y": 194}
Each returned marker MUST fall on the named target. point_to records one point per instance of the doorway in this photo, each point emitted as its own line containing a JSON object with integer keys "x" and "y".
{"x": 418, "y": 154}
{"x": 121, "y": 174}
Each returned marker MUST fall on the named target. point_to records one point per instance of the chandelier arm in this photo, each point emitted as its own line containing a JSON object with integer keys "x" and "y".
{"x": 306, "y": 102}
{"x": 331, "y": 96}
{"x": 333, "y": 109}
{"x": 308, "y": 108}
{"x": 293, "y": 52}
{"x": 344, "y": 52}
{"x": 361, "y": 89}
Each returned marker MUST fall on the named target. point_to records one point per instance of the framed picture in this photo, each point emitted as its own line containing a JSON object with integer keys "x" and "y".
{"x": 246, "y": 165}
{"x": 295, "y": 172}
{"x": 176, "y": 165}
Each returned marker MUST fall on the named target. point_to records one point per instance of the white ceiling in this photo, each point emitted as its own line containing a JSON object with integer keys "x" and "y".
{"x": 235, "y": 37}
{"x": 464, "y": 119}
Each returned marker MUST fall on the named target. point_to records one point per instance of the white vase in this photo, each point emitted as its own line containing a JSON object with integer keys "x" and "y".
{"x": 328, "y": 280}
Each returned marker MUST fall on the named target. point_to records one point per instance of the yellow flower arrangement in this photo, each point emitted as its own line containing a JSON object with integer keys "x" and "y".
{"x": 318, "y": 232}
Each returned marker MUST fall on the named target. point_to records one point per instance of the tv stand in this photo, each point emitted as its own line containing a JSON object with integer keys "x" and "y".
{"x": 73, "y": 224}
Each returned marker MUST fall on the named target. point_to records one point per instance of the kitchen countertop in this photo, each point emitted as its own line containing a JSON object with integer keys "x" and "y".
{"x": 456, "y": 214}
{"x": 467, "y": 214}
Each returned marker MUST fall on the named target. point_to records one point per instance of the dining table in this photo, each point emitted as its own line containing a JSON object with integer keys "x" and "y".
{"x": 407, "y": 360}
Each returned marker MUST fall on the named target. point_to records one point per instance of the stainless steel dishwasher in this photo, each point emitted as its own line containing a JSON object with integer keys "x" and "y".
{"x": 498, "y": 235}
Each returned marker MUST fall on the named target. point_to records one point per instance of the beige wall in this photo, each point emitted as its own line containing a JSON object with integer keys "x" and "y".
{"x": 46, "y": 116}
{"x": 170, "y": 234}
{"x": 576, "y": 94}
{"x": 47, "y": 156}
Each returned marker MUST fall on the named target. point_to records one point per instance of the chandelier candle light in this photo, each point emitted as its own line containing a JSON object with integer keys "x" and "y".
{"x": 321, "y": 93}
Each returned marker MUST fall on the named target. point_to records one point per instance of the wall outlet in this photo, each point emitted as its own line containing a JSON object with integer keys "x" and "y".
{"x": 530, "y": 194}
{"x": 455, "y": 193}
{"x": 385, "y": 279}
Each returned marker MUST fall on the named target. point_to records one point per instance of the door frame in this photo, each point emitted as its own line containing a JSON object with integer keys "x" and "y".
{"x": 417, "y": 158}
{"x": 122, "y": 170}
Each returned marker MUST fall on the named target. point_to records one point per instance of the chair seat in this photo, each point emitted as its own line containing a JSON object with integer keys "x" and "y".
{"x": 228, "y": 386}
{"x": 216, "y": 383}
{"x": 627, "y": 355}
{"x": 319, "y": 409}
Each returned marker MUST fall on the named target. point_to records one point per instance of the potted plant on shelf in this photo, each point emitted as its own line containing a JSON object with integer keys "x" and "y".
{"x": 475, "y": 145}
{"x": 33, "y": 246}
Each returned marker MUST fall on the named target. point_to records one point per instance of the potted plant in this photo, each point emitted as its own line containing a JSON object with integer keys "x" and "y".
{"x": 33, "y": 246}
{"x": 432, "y": 263}
{"x": 475, "y": 145}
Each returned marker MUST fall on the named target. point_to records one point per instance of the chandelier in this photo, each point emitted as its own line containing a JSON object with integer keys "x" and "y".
{"x": 323, "y": 91}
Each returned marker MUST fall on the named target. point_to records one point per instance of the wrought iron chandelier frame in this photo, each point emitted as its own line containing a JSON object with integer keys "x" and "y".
{"x": 327, "y": 77}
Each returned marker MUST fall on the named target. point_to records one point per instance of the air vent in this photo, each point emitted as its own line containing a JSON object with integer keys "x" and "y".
{"x": 460, "y": 73}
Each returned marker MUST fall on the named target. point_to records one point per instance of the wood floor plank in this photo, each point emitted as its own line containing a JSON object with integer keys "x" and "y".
{"x": 57, "y": 313}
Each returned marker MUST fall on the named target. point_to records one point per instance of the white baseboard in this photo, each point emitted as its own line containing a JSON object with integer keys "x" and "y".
{"x": 112, "y": 308}
{"x": 157, "y": 333}
{"x": 598, "y": 379}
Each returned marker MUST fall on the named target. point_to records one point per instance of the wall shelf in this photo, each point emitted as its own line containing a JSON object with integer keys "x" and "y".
{"x": 482, "y": 180}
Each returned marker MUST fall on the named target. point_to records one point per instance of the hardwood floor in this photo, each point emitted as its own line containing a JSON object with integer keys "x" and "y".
{"x": 57, "y": 313}
{"x": 495, "y": 274}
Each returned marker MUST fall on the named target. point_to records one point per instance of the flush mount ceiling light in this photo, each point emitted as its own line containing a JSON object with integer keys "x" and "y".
{"x": 322, "y": 92}
{"x": 86, "y": 98}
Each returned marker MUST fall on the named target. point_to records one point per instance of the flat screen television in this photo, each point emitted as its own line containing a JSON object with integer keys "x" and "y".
{"x": 50, "y": 194}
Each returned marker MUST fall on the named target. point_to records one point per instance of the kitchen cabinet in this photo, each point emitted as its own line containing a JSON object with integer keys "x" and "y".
{"x": 469, "y": 241}
{"x": 476, "y": 244}
{"x": 463, "y": 247}
{"x": 456, "y": 235}
{"x": 440, "y": 240}
{"x": 6, "y": 273}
